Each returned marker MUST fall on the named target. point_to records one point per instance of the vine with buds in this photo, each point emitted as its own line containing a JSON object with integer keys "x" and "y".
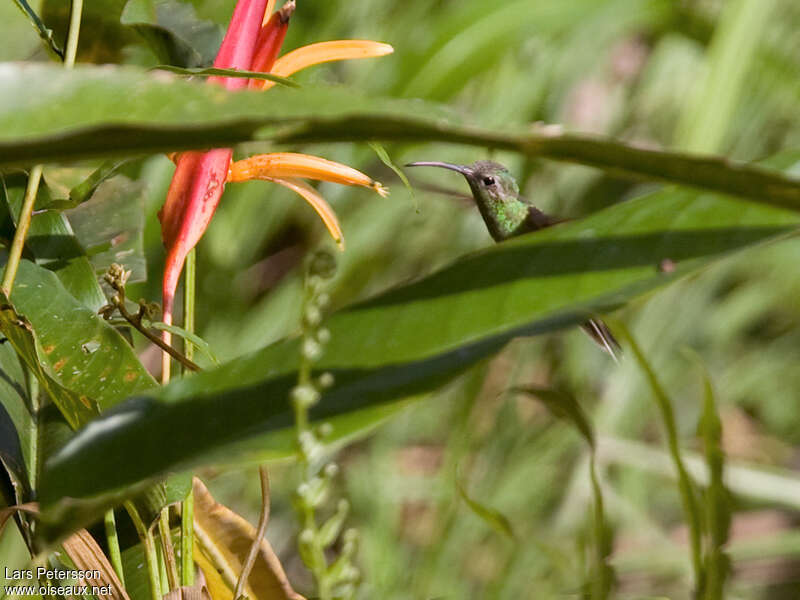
{"x": 337, "y": 579}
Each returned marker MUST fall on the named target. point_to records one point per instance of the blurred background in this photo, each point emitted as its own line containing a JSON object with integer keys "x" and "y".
{"x": 704, "y": 75}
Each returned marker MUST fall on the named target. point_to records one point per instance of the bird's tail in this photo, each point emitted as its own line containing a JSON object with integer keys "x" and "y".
{"x": 603, "y": 337}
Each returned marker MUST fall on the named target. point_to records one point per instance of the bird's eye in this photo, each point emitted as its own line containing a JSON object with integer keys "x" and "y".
{"x": 488, "y": 181}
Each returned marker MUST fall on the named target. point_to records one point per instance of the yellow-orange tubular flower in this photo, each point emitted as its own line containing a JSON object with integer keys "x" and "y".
{"x": 253, "y": 42}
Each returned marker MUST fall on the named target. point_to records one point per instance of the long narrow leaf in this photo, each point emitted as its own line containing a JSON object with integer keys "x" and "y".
{"x": 686, "y": 488}
{"x": 133, "y": 112}
{"x": 404, "y": 343}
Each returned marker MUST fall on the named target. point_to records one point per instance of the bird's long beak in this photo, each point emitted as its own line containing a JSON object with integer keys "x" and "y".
{"x": 463, "y": 169}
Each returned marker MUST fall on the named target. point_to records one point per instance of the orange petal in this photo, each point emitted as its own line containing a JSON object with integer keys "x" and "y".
{"x": 291, "y": 164}
{"x": 318, "y": 203}
{"x": 323, "y": 52}
{"x": 268, "y": 11}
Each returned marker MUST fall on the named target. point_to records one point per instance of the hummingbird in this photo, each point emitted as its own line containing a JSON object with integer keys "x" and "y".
{"x": 507, "y": 214}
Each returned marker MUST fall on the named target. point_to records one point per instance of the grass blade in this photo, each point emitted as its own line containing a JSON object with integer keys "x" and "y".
{"x": 564, "y": 406}
{"x": 685, "y": 486}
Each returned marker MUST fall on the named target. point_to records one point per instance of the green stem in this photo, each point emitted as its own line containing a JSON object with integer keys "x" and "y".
{"x": 150, "y": 555}
{"x": 113, "y": 546}
{"x": 187, "y": 512}
{"x": 167, "y": 550}
{"x": 187, "y": 541}
{"x": 23, "y": 224}
{"x": 190, "y": 286}
{"x": 74, "y": 31}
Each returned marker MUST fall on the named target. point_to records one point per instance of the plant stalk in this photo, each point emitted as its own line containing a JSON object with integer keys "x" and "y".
{"x": 74, "y": 32}
{"x": 187, "y": 512}
{"x": 263, "y": 518}
{"x": 167, "y": 550}
{"x": 23, "y": 224}
{"x": 113, "y": 545}
{"x": 150, "y": 555}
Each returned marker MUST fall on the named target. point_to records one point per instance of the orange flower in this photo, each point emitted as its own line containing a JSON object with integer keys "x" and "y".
{"x": 252, "y": 42}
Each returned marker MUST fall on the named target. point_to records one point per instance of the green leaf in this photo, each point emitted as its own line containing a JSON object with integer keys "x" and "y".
{"x": 18, "y": 436}
{"x": 173, "y": 32}
{"x": 84, "y": 190}
{"x": 685, "y": 485}
{"x": 215, "y": 72}
{"x": 707, "y": 118}
{"x": 406, "y": 342}
{"x": 384, "y": 157}
{"x": 82, "y": 362}
{"x": 196, "y": 340}
{"x": 717, "y": 497}
{"x": 44, "y": 33}
{"x": 562, "y": 406}
{"x": 566, "y": 407}
{"x": 134, "y": 112}
{"x": 102, "y": 35}
{"x": 53, "y": 243}
{"x": 110, "y": 227}
{"x": 494, "y": 518}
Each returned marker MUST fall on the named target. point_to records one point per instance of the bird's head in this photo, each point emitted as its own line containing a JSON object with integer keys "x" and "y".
{"x": 494, "y": 190}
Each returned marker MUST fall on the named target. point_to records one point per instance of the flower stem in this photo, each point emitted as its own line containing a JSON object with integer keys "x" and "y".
{"x": 189, "y": 286}
{"x": 187, "y": 512}
{"x": 149, "y": 545}
{"x": 74, "y": 32}
{"x": 23, "y": 224}
{"x": 113, "y": 546}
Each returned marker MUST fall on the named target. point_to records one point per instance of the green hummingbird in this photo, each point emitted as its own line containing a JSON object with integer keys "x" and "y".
{"x": 507, "y": 214}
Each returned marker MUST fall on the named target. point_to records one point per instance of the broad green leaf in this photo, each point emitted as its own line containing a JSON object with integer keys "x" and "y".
{"x": 44, "y": 117}
{"x": 82, "y": 362}
{"x": 110, "y": 227}
{"x": 53, "y": 243}
{"x": 410, "y": 340}
{"x": 173, "y": 32}
{"x": 17, "y": 427}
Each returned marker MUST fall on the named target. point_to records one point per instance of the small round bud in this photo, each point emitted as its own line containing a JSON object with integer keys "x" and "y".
{"x": 305, "y": 395}
{"x": 331, "y": 470}
{"x": 324, "y": 336}
{"x": 326, "y": 380}
{"x": 323, "y": 299}
{"x": 323, "y": 264}
{"x": 325, "y": 430}
{"x": 311, "y": 349}
{"x": 313, "y": 315}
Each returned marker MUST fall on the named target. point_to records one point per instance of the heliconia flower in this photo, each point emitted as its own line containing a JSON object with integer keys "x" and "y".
{"x": 252, "y": 42}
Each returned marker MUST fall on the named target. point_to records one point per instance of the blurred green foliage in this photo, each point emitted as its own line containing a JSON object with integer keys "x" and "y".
{"x": 640, "y": 70}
